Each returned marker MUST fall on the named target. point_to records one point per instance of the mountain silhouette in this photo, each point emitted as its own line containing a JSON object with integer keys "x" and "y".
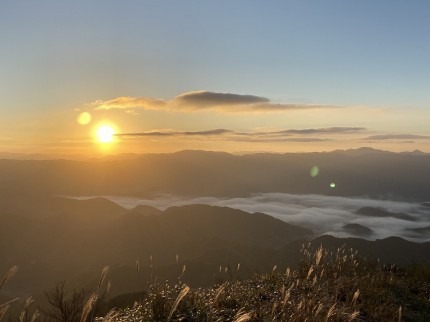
{"x": 358, "y": 230}
{"x": 360, "y": 172}
{"x": 74, "y": 238}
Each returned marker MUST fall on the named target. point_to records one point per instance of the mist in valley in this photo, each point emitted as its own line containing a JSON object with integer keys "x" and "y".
{"x": 319, "y": 213}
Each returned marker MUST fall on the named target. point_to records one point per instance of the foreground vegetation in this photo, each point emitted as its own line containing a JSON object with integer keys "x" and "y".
{"x": 327, "y": 286}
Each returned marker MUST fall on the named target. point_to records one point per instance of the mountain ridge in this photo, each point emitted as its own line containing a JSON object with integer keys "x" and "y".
{"x": 377, "y": 174}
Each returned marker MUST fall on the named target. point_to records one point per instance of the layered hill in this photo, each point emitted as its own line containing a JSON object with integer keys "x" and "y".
{"x": 60, "y": 238}
{"x": 56, "y": 239}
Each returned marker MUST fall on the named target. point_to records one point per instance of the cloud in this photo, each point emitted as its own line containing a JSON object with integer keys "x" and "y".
{"x": 312, "y": 131}
{"x": 177, "y": 133}
{"x": 260, "y": 136}
{"x": 129, "y": 103}
{"x": 148, "y": 133}
{"x": 199, "y": 99}
{"x": 278, "y": 139}
{"x": 209, "y": 132}
{"x": 306, "y": 139}
{"x": 294, "y": 135}
{"x": 322, "y": 214}
{"x": 328, "y": 130}
{"x": 397, "y": 137}
{"x": 202, "y": 101}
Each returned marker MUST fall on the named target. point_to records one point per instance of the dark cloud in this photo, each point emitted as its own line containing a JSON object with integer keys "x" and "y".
{"x": 210, "y": 99}
{"x": 209, "y": 132}
{"x": 202, "y": 100}
{"x": 177, "y": 133}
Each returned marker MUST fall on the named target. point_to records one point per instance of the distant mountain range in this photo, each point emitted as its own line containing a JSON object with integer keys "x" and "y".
{"x": 360, "y": 172}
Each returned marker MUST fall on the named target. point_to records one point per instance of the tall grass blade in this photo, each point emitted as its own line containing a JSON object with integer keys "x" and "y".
{"x": 181, "y": 295}
{"x": 103, "y": 275}
{"x": 11, "y": 272}
{"x": 243, "y": 317}
{"x": 36, "y": 314}
{"x": 88, "y": 307}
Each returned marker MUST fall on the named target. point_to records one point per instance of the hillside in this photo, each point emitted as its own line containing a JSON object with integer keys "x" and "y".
{"x": 69, "y": 239}
{"x": 58, "y": 238}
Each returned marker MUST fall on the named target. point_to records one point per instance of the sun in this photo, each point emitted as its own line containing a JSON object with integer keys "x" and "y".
{"x": 105, "y": 133}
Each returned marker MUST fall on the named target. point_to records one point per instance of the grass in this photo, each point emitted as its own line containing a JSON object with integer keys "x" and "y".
{"x": 6, "y": 277}
{"x": 327, "y": 286}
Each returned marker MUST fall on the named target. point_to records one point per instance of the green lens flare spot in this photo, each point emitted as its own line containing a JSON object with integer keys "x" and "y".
{"x": 314, "y": 171}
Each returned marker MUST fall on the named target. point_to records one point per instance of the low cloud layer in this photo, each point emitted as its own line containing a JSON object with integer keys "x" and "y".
{"x": 202, "y": 101}
{"x": 322, "y": 214}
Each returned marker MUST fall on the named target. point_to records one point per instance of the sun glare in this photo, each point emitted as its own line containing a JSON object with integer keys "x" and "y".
{"x": 105, "y": 134}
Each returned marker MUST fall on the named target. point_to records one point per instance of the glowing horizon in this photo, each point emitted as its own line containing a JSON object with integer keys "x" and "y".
{"x": 282, "y": 85}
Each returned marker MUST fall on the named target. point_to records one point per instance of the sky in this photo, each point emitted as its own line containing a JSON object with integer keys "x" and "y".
{"x": 236, "y": 76}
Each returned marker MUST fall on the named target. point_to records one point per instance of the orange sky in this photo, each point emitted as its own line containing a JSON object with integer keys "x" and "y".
{"x": 214, "y": 121}
{"x": 233, "y": 76}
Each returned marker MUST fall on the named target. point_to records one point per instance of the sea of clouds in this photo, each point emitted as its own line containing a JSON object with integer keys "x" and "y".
{"x": 322, "y": 214}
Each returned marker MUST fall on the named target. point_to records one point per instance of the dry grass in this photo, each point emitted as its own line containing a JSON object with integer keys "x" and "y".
{"x": 88, "y": 307}
{"x": 327, "y": 286}
{"x": 179, "y": 298}
{"x": 6, "y": 277}
{"x": 11, "y": 272}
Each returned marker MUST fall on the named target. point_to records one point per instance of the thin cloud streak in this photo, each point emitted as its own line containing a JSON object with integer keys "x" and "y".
{"x": 382, "y": 137}
{"x": 203, "y": 101}
{"x": 279, "y": 139}
{"x": 266, "y": 136}
{"x": 177, "y": 133}
{"x": 329, "y": 130}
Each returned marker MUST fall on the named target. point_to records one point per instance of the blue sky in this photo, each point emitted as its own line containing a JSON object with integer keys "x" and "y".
{"x": 59, "y": 56}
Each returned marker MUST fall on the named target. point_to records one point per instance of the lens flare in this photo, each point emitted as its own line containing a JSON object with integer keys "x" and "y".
{"x": 84, "y": 118}
{"x": 314, "y": 171}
